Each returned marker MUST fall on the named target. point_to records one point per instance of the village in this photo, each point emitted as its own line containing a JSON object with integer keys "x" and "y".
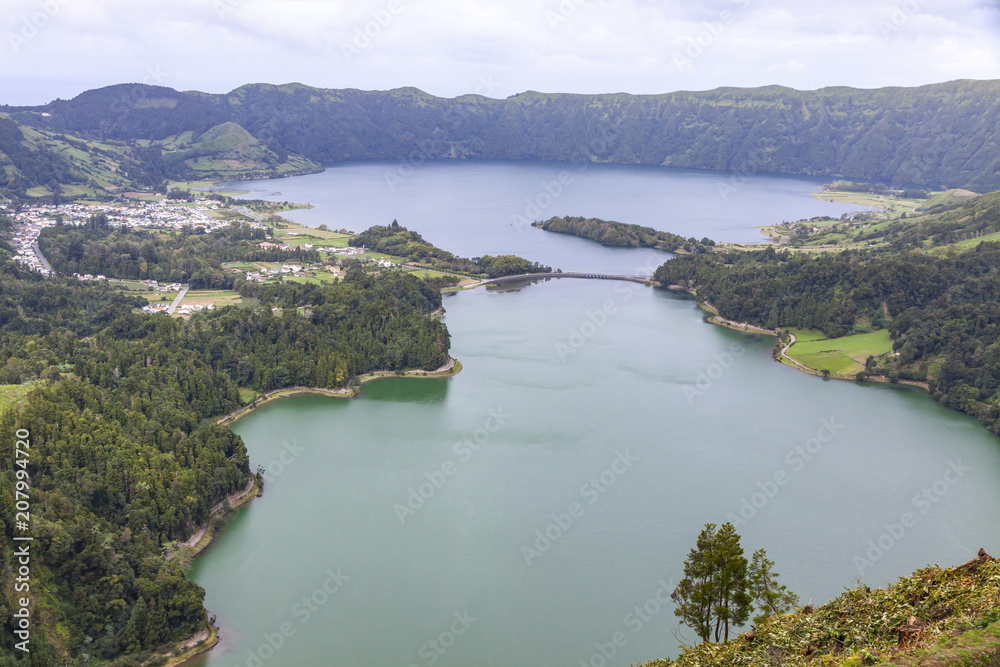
{"x": 162, "y": 214}
{"x": 175, "y": 299}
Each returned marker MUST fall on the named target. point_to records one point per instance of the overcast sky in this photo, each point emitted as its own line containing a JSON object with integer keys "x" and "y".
{"x": 59, "y": 48}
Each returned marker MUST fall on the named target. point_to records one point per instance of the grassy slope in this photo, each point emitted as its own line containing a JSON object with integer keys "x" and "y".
{"x": 953, "y": 207}
{"x": 961, "y": 607}
{"x": 229, "y": 151}
{"x": 93, "y": 171}
{"x": 95, "y": 168}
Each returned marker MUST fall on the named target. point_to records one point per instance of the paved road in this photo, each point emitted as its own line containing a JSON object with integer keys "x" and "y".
{"x": 177, "y": 301}
{"x": 41, "y": 258}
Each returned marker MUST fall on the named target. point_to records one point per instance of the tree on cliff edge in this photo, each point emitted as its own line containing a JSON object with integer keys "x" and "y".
{"x": 720, "y": 588}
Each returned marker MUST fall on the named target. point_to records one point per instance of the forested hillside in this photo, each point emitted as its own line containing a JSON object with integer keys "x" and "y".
{"x": 122, "y": 459}
{"x": 941, "y": 135}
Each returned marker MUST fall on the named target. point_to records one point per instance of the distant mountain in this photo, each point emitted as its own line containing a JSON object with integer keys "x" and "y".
{"x": 941, "y": 135}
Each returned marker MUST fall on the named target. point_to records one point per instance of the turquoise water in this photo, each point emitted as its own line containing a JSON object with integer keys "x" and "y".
{"x": 530, "y": 509}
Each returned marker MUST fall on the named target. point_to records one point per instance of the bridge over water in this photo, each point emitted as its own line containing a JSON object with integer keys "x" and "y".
{"x": 589, "y": 276}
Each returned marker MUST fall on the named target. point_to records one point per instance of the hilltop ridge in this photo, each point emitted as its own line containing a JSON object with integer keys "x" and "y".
{"x": 939, "y": 136}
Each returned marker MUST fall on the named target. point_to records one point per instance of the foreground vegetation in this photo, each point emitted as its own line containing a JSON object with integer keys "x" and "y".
{"x": 721, "y": 588}
{"x": 936, "y": 616}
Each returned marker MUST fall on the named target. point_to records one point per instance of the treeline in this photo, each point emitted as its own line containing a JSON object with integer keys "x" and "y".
{"x": 939, "y": 308}
{"x": 398, "y": 241}
{"x": 123, "y": 460}
{"x": 191, "y": 256}
{"x": 623, "y": 235}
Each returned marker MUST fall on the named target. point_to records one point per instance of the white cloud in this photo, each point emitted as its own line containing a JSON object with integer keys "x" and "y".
{"x": 447, "y": 46}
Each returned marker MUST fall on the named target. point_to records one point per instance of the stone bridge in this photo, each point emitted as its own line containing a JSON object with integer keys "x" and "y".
{"x": 590, "y": 276}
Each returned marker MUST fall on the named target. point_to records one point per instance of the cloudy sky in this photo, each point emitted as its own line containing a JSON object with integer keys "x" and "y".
{"x": 59, "y": 48}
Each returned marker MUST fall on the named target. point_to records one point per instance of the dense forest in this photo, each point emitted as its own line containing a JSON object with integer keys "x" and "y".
{"x": 937, "y": 135}
{"x": 942, "y": 310}
{"x": 396, "y": 240}
{"x": 123, "y": 461}
{"x": 623, "y": 235}
{"x": 192, "y": 256}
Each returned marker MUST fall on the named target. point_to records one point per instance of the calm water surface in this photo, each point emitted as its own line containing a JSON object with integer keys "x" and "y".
{"x": 473, "y": 208}
{"x": 607, "y": 416}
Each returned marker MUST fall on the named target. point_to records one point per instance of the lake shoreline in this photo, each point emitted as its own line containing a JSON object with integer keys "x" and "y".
{"x": 451, "y": 368}
{"x": 782, "y": 357}
{"x": 204, "y": 537}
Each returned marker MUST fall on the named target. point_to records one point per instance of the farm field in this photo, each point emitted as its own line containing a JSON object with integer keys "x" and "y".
{"x": 844, "y": 356}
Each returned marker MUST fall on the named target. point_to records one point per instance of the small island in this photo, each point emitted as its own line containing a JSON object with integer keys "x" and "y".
{"x": 624, "y": 235}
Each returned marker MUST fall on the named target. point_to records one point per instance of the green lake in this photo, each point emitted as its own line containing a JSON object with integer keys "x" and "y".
{"x": 530, "y": 509}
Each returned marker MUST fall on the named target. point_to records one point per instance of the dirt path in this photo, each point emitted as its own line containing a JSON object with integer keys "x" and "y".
{"x": 194, "y": 539}
{"x": 791, "y": 341}
{"x": 346, "y": 392}
{"x": 446, "y": 368}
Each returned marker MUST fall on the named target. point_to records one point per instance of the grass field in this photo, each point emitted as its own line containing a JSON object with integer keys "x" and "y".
{"x": 133, "y": 286}
{"x": 317, "y": 278}
{"x": 378, "y": 255}
{"x": 845, "y": 355}
{"x": 12, "y": 394}
{"x": 297, "y": 235}
{"x": 947, "y": 198}
{"x": 247, "y": 394}
{"x": 427, "y": 273}
{"x": 218, "y": 298}
{"x": 159, "y": 297}
{"x": 892, "y": 205}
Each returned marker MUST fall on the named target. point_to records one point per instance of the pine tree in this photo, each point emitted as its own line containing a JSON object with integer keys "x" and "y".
{"x": 135, "y": 630}
{"x": 732, "y": 584}
{"x": 714, "y": 595}
{"x": 695, "y": 595}
{"x": 769, "y": 596}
